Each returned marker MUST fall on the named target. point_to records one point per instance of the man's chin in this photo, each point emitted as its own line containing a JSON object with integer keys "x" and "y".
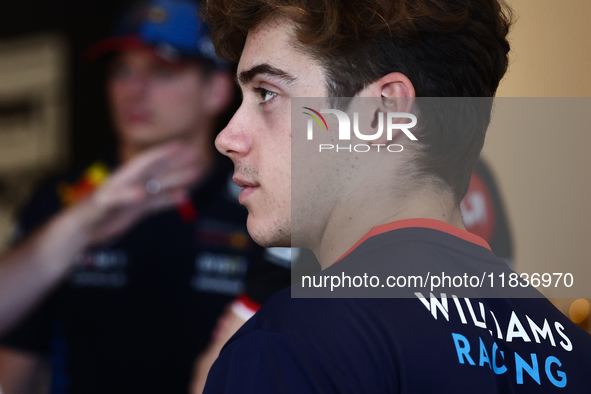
{"x": 268, "y": 236}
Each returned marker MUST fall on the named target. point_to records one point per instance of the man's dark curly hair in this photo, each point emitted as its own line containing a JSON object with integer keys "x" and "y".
{"x": 447, "y": 48}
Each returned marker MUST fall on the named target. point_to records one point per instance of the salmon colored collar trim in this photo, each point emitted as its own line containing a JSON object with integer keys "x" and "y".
{"x": 422, "y": 223}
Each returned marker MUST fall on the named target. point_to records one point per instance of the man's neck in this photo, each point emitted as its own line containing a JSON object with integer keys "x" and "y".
{"x": 348, "y": 223}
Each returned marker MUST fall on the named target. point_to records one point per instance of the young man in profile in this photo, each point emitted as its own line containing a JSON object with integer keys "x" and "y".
{"x": 385, "y": 212}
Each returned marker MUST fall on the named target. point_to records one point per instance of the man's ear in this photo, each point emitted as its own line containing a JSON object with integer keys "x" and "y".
{"x": 220, "y": 92}
{"x": 397, "y": 94}
{"x": 395, "y": 89}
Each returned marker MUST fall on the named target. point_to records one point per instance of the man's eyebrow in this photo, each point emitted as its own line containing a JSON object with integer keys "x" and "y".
{"x": 246, "y": 76}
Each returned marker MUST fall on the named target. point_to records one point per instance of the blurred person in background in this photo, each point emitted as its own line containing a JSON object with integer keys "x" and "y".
{"x": 135, "y": 297}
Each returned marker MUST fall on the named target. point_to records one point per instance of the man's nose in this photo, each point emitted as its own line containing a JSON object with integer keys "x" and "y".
{"x": 235, "y": 140}
{"x": 137, "y": 84}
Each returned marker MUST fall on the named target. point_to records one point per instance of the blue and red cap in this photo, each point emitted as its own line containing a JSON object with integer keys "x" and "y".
{"x": 171, "y": 27}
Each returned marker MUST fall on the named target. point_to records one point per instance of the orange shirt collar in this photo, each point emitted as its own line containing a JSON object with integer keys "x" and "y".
{"x": 422, "y": 223}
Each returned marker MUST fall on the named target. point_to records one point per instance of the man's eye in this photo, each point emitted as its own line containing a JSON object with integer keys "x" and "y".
{"x": 264, "y": 94}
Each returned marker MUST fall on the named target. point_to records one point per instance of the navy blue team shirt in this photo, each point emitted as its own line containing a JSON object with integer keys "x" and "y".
{"x": 420, "y": 344}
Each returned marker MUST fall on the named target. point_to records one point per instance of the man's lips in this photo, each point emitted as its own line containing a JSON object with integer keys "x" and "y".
{"x": 248, "y": 188}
